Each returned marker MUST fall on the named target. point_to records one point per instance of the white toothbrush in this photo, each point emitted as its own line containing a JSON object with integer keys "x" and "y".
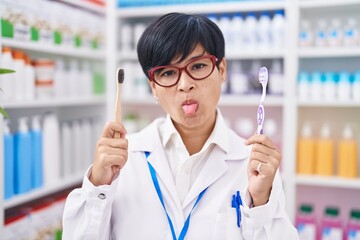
{"x": 263, "y": 79}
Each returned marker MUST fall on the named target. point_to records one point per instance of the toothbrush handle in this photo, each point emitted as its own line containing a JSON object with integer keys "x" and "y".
{"x": 260, "y": 118}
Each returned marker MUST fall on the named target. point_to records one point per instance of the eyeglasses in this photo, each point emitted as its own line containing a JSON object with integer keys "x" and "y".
{"x": 198, "y": 69}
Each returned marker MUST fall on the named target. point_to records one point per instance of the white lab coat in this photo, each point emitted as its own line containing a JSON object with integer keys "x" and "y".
{"x": 129, "y": 208}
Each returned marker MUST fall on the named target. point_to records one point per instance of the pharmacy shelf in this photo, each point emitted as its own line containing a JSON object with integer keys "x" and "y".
{"x": 324, "y": 52}
{"x": 250, "y": 100}
{"x": 45, "y": 191}
{"x": 326, "y": 3}
{"x": 86, "y": 5}
{"x": 334, "y": 182}
{"x": 228, "y": 7}
{"x": 55, "y": 50}
{"x": 225, "y": 100}
{"x": 54, "y": 102}
{"x": 328, "y": 104}
{"x": 247, "y": 54}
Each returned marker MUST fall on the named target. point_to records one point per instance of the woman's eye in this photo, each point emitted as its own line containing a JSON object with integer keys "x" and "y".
{"x": 198, "y": 66}
{"x": 168, "y": 73}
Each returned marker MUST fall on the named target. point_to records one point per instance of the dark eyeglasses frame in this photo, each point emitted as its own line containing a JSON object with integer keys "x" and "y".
{"x": 152, "y": 70}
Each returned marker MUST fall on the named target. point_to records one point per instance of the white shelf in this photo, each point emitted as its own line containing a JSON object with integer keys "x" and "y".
{"x": 250, "y": 100}
{"x": 243, "y": 54}
{"x": 326, "y": 3}
{"x": 334, "y": 103}
{"x": 54, "y": 49}
{"x": 336, "y": 182}
{"x": 60, "y": 102}
{"x": 229, "y": 7}
{"x": 87, "y": 5}
{"x": 324, "y": 52}
{"x": 42, "y": 192}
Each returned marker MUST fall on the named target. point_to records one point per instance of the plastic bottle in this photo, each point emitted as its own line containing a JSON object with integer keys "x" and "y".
{"x": 277, "y": 29}
{"x": 344, "y": 87}
{"x": 237, "y": 29}
{"x": 306, "y": 36}
{"x": 270, "y": 129}
{"x": 239, "y": 83}
{"x": 263, "y": 30}
{"x": 306, "y": 151}
{"x": 324, "y": 156}
{"x": 37, "y": 151}
{"x": 276, "y": 78}
{"x": 224, "y": 25}
{"x": 353, "y": 226}
{"x": 335, "y": 34}
{"x": 19, "y": 75}
{"x": 253, "y": 76}
{"x": 85, "y": 85}
{"x": 321, "y": 38}
{"x": 72, "y": 82}
{"x": 250, "y": 25}
{"x": 8, "y": 161}
{"x": 351, "y": 32}
{"x": 306, "y": 222}
{"x": 23, "y": 153}
{"x": 85, "y": 127}
{"x": 66, "y": 152}
{"x": 51, "y": 153}
{"x": 77, "y": 147}
{"x": 126, "y": 38}
{"x": 347, "y": 154}
{"x": 245, "y": 127}
{"x": 331, "y": 225}
{"x": 303, "y": 89}
{"x": 316, "y": 86}
{"x": 329, "y": 86}
{"x": 29, "y": 80}
{"x": 7, "y": 80}
{"x": 59, "y": 79}
{"x": 355, "y": 87}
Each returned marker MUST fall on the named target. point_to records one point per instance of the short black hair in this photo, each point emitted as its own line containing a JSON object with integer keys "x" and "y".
{"x": 176, "y": 35}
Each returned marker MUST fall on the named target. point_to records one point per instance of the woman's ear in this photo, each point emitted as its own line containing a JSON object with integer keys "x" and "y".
{"x": 222, "y": 69}
{"x": 152, "y": 86}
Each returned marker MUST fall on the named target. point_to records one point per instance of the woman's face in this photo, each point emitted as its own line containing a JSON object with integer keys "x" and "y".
{"x": 192, "y": 103}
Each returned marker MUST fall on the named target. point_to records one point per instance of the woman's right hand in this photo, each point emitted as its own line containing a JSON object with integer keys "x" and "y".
{"x": 110, "y": 156}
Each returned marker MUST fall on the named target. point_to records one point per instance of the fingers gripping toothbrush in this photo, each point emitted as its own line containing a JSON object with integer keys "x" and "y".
{"x": 263, "y": 79}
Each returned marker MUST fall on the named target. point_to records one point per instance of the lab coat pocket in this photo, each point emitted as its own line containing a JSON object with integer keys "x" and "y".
{"x": 226, "y": 226}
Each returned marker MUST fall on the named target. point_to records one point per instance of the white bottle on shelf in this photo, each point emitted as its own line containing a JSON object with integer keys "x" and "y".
{"x": 355, "y": 88}
{"x": 29, "y": 80}
{"x": 276, "y": 78}
{"x": 316, "y": 86}
{"x": 306, "y": 36}
{"x": 7, "y": 80}
{"x": 250, "y": 25}
{"x": 126, "y": 38}
{"x": 85, "y": 126}
{"x": 237, "y": 29}
{"x": 239, "y": 83}
{"x": 66, "y": 154}
{"x": 329, "y": 86}
{"x": 351, "y": 32}
{"x": 321, "y": 38}
{"x": 85, "y": 85}
{"x": 277, "y": 31}
{"x": 19, "y": 75}
{"x": 263, "y": 30}
{"x": 303, "y": 88}
{"x": 60, "y": 79}
{"x": 225, "y": 26}
{"x": 344, "y": 87}
{"x": 77, "y": 147}
{"x": 335, "y": 33}
{"x": 72, "y": 81}
{"x": 51, "y": 149}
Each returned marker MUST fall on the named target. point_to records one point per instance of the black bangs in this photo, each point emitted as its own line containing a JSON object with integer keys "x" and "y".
{"x": 175, "y": 35}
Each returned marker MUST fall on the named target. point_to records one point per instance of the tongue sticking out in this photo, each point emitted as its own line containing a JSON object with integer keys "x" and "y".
{"x": 190, "y": 109}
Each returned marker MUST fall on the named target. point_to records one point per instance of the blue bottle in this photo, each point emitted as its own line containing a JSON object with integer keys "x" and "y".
{"x": 37, "y": 159}
{"x": 23, "y": 152}
{"x": 8, "y": 162}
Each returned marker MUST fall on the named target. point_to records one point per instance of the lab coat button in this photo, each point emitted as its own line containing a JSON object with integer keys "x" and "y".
{"x": 102, "y": 196}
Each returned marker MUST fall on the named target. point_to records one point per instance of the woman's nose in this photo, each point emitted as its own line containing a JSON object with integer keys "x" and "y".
{"x": 186, "y": 83}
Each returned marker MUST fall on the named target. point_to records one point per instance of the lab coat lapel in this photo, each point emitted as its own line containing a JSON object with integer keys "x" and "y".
{"x": 213, "y": 169}
{"x": 158, "y": 160}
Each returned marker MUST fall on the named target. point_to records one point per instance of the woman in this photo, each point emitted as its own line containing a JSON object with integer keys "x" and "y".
{"x": 188, "y": 175}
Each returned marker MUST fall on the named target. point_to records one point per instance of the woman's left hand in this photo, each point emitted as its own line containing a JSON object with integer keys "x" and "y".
{"x": 263, "y": 164}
